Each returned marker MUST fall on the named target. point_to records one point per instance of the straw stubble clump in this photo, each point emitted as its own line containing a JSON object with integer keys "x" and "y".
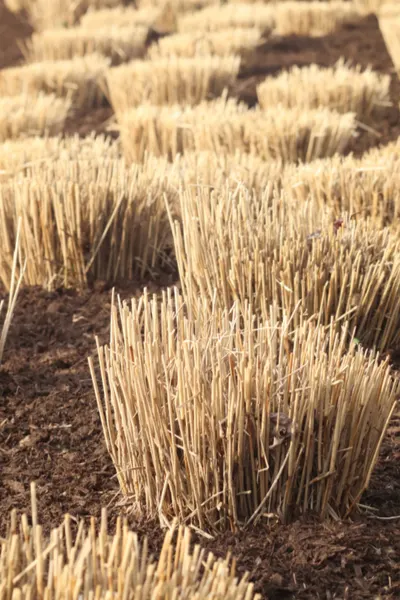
{"x": 339, "y": 88}
{"x": 218, "y": 43}
{"x": 85, "y": 220}
{"x": 171, "y": 80}
{"x": 117, "y": 43}
{"x": 264, "y": 248}
{"x": 216, "y": 17}
{"x": 17, "y": 156}
{"x": 223, "y": 419}
{"x": 95, "y": 563}
{"x": 155, "y": 17}
{"x": 226, "y": 126}
{"x": 27, "y": 115}
{"x": 82, "y": 79}
{"x": 366, "y": 187}
{"x": 312, "y": 18}
{"x": 46, "y": 14}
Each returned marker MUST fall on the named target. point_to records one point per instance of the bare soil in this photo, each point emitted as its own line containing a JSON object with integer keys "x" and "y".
{"x": 50, "y": 431}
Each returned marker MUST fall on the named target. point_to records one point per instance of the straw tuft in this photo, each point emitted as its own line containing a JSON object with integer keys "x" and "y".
{"x": 223, "y": 16}
{"x": 96, "y": 564}
{"x": 82, "y": 79}
{"x": 219, "y": 43}
{"x": 170, "y": 80}
{"x": 224, "y": 419}
{"x": 313, "y": 18}
{"x": 226, "y": 126}
{"x": 340, "y": 88}
{"x": 120, "y": 44}
{"x": 26, "y": 115}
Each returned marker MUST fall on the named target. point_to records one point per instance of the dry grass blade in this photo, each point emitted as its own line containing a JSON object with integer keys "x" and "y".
{"x": 220, "y": 418}
{"x": 212, "y": 18}
{"x": 87, "y": 219}
{"x": 224, "y": 127}
{"x": 12, "y": 282}
{"x": 94, "y": 563}
{"x": 16, "y": 156}
{"x": 219, "y": 43}
{"x": 340, "y": 88}
{"x": 313, "y": 18}
{"x": 120, "y": 44}
{"x": 170, "y": 80}
{"x": 26, "y": 115}
{"x": 267, "y": 248}
{"x": 82, "y": 79}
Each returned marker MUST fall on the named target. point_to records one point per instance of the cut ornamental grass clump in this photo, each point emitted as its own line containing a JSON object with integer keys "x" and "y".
{"x": 219, "y": 43}
{"x": 160, "y": 18}
{"x": 366, "y": 187}
{"x": 265, "y": 248}
{"x": 216, "y": 17}
{"x": 28, "y": 115}
{"x": 82, "y": 79}
{"x": 120, "y": 44}
{"x": 173, "y": 80}
{"x": 17, "y": 156}
{"x": 93, "y": 563}
{"x": 225, "y": 126}
{"x": 312, "y": 18}
{"x": 88, "y": 219}
{"x": 340, "y": 88}
{"x": 224, "y": 419}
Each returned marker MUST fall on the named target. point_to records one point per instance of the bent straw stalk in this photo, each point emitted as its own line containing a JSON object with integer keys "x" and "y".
{"x": 97, "y": 564}
{"x": 264, "y": 248}
{"x": 173, "y": 80}
{"x": 12, "y": 283}
{"x": 223, "y": 419}
{"x": 339, "y": 88}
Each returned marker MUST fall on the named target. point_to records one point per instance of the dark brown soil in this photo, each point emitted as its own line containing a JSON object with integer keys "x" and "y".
{"x": 50, "y": 431}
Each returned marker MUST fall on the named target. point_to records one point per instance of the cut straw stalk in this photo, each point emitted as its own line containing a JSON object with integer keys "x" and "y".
{"x": 218, "y": 43}
{"x": 46, "y": 14}
{"x": 225, "y": 126}
{"x": 82, "y": 79}
{"x": 83, "y": 220}
{"x": 95, "y": 564}
{"x": 156, "y": 17}
{"x": 216, "y": 17}
{"x": 170, "y": 80}
{"x": 339, "y": 88}
{"x": 366, "y": 187}
{"x": 267, "y": 248}
{"x": 26, "y": 115}
{"x": 16, "y": 156}
{"x": 221, "y": 418}
{"x": 118, "y": 43}
{"x": 312, "y": 18}
{"x": 13, "y": 282}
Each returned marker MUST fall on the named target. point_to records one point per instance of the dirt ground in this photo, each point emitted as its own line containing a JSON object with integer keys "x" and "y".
{"x": 49, "y": 427}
